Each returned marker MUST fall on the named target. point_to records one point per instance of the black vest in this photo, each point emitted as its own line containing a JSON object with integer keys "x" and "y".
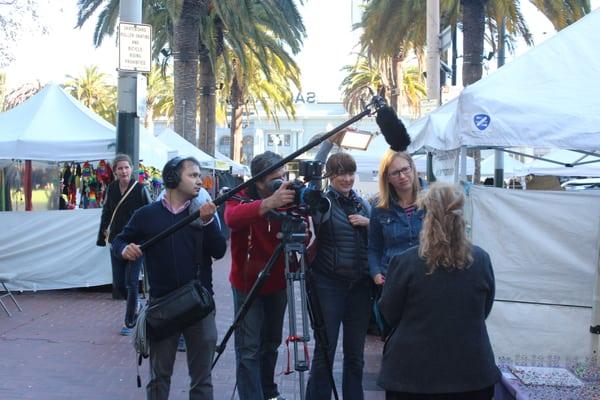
{"x": 342, "y": 248}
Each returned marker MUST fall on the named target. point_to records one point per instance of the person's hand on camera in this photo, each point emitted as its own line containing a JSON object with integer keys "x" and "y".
{"x": 207, "y": 211}
{"x": 131, "y": 252}
{"x": 280, "y": 197}
{"x": 358, "y": 220}
{"x": 379, "y": 279}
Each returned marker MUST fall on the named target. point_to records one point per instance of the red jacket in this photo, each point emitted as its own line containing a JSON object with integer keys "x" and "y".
{"x": 253, "y": 240}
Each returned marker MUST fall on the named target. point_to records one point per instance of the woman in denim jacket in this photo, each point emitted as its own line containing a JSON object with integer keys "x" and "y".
{"x": 395, "y": 220}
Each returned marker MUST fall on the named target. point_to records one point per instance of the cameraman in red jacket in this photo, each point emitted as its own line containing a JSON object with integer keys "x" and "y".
{"x": 253, "y": 240}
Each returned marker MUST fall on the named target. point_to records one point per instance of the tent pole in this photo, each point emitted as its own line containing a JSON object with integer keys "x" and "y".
{"x": 595, "y": 321}
{"x": 27, "y": 187}
{"x": 498, "y": 168}
{"x": 463, "y": 164}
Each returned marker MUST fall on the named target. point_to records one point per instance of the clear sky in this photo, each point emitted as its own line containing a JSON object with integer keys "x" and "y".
{"x": 328, "y": 47}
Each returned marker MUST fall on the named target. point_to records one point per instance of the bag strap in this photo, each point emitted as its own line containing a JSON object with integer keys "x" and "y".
{"x": 120, "y": 202}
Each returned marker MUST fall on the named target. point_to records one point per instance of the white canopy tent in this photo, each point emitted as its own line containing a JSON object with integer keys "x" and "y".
{"x": 541, "y": 167}
{"x": 546, "y": 98}
{"x": 511, "y": 166}
{"x": 186, "y": 149}
{"x": 236, "y": 168}
{"x": 54, "y": 126}
{"x": 154, "y": 152}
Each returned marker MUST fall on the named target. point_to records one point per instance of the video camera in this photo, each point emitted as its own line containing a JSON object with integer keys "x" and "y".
{"x": 307, "y": 200}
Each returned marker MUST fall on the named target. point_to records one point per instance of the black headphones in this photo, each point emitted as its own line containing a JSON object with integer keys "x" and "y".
{"x": 170, "y": 173}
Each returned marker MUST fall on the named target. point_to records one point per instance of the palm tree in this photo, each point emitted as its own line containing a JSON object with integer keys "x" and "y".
{"x": 255, "y": 88}
{"x": 2, "y": 89}
{"x": 263, "y": 31}
{"x": 159, "y": 95}
{"x": 94, "y": 92}
{"x": 216, "y": 22}
{"x": 367, "y": 74}
{"x": 21, "y": 94}
{"x": 390, "y": 25}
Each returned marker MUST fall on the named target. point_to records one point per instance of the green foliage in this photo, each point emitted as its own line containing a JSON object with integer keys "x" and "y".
{"x": 93, "y": 90}
{"x": 367, "y": 75}
{"x": 18, "y": 18}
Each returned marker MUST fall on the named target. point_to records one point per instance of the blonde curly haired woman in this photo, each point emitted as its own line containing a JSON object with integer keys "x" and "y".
{"x": 436, "y": 298}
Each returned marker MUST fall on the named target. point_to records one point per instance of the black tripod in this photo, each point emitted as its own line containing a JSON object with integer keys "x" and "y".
{"x": 293, "y": 237}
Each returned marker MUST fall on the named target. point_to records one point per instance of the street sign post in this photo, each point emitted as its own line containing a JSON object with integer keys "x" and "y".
{"x": 428, "y": 105}
{"x": 135, "y": 47}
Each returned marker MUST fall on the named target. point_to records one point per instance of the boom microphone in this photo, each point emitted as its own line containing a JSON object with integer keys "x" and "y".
{"x": 392, "y": 128}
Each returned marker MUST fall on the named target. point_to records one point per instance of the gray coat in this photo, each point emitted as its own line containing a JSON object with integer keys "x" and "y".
{"x": 439, "y": 342}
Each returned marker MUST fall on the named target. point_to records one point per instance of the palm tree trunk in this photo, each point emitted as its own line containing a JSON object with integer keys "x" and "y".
{"x": 149, "y": 119}
{"x": 207, "y": 106}
{"x": 236, "y": 100}
{"x": 397, "y": 79}
{"x": 185, "y": 68}
{"x": 473, "y": 13}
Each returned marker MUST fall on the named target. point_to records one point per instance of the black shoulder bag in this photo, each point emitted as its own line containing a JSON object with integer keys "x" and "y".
{"x": 181, "y": 308}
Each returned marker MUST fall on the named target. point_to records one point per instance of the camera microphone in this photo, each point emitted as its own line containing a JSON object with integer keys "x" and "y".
{"x": 392, "y": 128}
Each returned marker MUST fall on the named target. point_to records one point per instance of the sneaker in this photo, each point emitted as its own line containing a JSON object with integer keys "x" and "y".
{"x": 181, "y": 344}
{"x": 278, "y": 397}
{"x": 125, "y": 331}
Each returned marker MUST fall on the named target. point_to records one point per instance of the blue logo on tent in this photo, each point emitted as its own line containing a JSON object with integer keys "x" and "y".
{"x": 482, "y": 121}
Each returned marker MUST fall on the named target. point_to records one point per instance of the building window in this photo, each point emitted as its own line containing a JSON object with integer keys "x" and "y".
{"x": 224, "y": 145}
{"x": 279, "y": 139}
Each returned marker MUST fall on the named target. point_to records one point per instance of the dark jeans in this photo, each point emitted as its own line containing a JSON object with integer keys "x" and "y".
{"x": 201, "y": 340}
{"x": 126, "y": 277}
{"x": 483, "y": 394}
{"x": 257, "y": 339}
{"x": 348, "y": 304}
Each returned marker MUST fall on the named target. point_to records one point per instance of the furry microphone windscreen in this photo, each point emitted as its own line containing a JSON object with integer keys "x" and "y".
{"x": 392, "y": 128}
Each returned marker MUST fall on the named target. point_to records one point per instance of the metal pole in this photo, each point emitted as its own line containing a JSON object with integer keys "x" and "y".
{"x": 454, "y": 54}
{"x": 128, "y": 122}
{"x": 127, "y": 118}
{"x": 499, "y": 154}
{"x": 433, "y": 64}
{"x": 433, "y": 49}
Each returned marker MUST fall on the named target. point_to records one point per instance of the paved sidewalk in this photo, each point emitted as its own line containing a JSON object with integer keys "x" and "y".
{"x": 65, "y": 345}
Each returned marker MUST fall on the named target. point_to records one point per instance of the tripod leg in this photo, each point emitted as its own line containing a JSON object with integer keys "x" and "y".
{"x": 300, "y": 363}
{"x": 319, "y": 329}
{"x": 243, "y": 310}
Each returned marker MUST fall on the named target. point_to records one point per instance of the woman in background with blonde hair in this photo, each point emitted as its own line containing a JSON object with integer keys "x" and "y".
{"x": 436, "y": 298}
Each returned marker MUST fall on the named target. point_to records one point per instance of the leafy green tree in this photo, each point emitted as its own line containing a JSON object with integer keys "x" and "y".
{"x": 94, "y": 91}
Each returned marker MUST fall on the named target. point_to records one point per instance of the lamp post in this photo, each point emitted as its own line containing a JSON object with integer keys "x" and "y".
{"x": 433, "y": 65}
{"x": 127, "y": 118}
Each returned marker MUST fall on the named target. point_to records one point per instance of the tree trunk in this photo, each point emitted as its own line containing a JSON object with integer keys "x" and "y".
{"x": 207, "y": 125}
{"x": 473, "y": 17}
{"x": 149, "y": 119}
{"x": 236, "y": 99}
{"x": 397, "y": 79}
{"x": 185, "y": 68}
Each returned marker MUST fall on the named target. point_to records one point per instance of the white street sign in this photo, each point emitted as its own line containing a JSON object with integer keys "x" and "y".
{"x": 428, "y": 105}
{"x": 135, "y": 47}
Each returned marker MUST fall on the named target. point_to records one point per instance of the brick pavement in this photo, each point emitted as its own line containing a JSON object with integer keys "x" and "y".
{"x": 65, "y": 345}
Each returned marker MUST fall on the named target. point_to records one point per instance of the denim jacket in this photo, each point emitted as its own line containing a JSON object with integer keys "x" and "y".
{"x": 391, "y": 232}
